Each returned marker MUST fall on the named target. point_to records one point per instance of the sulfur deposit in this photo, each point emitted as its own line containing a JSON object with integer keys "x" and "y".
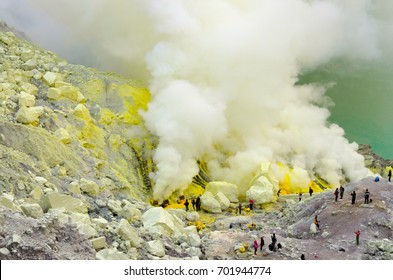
{"x": 75, "y": 181}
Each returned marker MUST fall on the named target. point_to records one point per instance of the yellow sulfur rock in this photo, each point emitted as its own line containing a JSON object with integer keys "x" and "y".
{"x": 29, "y": 115}
{"x": 59, "y": 84}
{"x": 26, "y": 100}
{"x": 36, "y": 193}
{"x": 50, "y": 78}
{"x": 83, "y": 113}
{"x": 29, "y": 88}
{"x": 54, "y": 93}
{"x": 107, "y": 116}
{"x": 63, "y": 135}
{"x": 56, "y": 200}
{"x": 99, "y": 242}
{"x": 69, "y": 92}
{"x": 198, "y": 224}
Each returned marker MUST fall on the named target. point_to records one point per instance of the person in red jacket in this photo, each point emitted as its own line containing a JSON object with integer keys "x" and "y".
{"x": 357, "y": 236}
{"x": 255, "y": 246}
{"x": 251, "y": 203}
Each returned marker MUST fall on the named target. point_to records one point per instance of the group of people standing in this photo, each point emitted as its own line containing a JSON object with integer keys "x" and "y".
{"x": 196, "y": 204}
{"x": 272, "y": 246}
{"x": 340, "y": 191}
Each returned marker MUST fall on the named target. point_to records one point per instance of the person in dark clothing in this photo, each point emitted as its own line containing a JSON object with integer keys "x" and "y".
{"x": 366, "y": 196}
{"x": 198, "y": 203}
{"x": 278, "y": 192}
{"x": 302, "y": 257}
{"x": 193, "y": 204}
{"x": 262, "y": 243}
{"x": 300, "y": 197}
{"x": 390, "y": 174}
{"x": 310, "y": 191}
{"x": 353, "y": 194}
{"x": 186, "y": 204}
{"x": 240, "y": 208}
{"x": 336, "y": 192}
{"x": 274, "y": 240}
{"x": 341, "y": 192}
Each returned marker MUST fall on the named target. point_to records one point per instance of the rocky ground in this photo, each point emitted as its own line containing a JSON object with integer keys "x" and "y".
{"x": 74, "y": 184}
{"x": 291, "y": 221}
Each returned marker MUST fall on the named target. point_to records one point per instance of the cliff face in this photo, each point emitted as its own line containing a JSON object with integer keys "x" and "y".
{"x": 70, "y": 123}
{"x": 74, "y": 180}
{"x": 70, "y": 137}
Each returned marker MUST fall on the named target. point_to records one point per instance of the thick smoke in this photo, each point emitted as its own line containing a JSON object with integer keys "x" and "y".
{"x": 223, "y": 77}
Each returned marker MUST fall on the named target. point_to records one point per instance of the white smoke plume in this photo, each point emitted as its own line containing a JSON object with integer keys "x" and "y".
{"x": 222, "y": 75}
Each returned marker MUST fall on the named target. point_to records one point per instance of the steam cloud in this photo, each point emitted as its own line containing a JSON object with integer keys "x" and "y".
{"x": 223, "y": 73}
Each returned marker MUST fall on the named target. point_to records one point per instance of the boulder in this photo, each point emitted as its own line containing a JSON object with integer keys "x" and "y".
{"x": 261, "y": 191}
{"x": 99, "y": 242}
{"x": 40, "y": 180}
{"x": 155, "y": 248}
{"x": 111, "y": 254}
{"x": 30, "y": 64}
{"x": 222, "y": 200}
{"x": 29, "y": 88}
{"x": 192, "y": 216}
{"x": 7, "y": 203}
{"x": 194, "y": 252}
{"x": 59, "y": 84}
{"x": 57, "y": 200}
{"x": 26, "y": 100}
{"x": 86, "y": 230}
{"x": 82, "y": 112}
{"x": 28, "y": 115}
{"x": 54, "y": 93}
{"x": 80, "y": 218}
{"x": 6, "y": 40}
{"x": 313, "y": 228}
{"x": 229, "y": 190}
{"x": 115, "y": 206}
{"x": 193, "y": 238}
{"x": 180, "y": 213}
{"x": 26, "y": 54}
{"x": 63, "y": 136}
{"x": 50, "y": 78}
{"x": 127, "y": 232}
{"x": 4, "y": 251}
{"x": 209, "y": 203}
{"x": 130, "y": 212}
{"x": 69, "y": 92}
{"x": 100, "y": 222}
{"x": 157, "y": 220}
{"x": 36, "y": 193}
{"x": 74, "y": 188}
{"x": 32, "y": 210}
{"x": 89, "y": 187}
